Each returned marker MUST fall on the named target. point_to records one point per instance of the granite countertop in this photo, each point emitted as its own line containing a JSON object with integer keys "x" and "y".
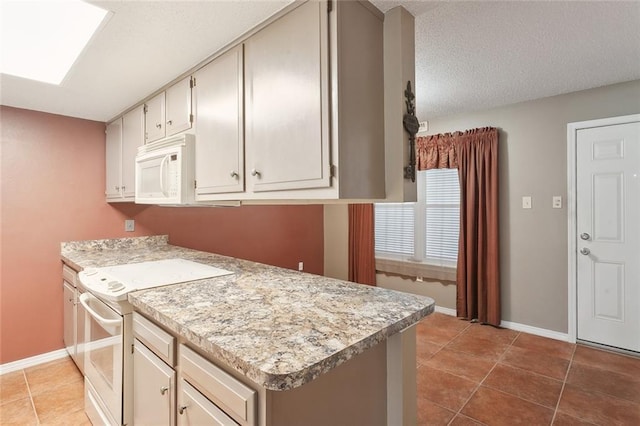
{"x": 280, "y": 328}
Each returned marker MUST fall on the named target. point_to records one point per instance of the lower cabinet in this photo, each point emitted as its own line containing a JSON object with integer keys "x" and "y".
{"x": 194, "y": 409}
{"x": 73, "y": 334}
{"x": 153, "y": 388}
{"x": 186, "y": 389}
{"x": 70, "y": 320}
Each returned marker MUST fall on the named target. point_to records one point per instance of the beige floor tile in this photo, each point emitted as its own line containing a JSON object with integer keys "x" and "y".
{"x": 18, "y": 412}
{"x": 13, "y": 386}
{"x": 59, "y": 401}
{"x": 40, "y": 378}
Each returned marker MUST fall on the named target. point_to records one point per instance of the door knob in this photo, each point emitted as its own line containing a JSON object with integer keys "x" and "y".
{"x": 585, "y": 251}
{"x": 585, "y": 236}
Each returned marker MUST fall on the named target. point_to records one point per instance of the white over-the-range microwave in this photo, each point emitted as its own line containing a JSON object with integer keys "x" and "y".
{"x": 165, "y": 171}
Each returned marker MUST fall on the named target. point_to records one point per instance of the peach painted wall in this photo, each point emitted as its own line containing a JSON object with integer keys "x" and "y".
{"x": 52, "y": 190}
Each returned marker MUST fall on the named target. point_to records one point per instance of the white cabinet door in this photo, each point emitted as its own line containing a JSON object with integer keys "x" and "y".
{"x": 286, "y": 77}
{"x": 153, "y": 388}
{"x": 132, "y": 138}
{"x": 194, "y": 409}
{"x": 113, "y": 156}
{"x": 178, "y": 107}
{"x": 219, "y": 133}
{"x": 69, "y": 335}
{"x": 154, "y": 118}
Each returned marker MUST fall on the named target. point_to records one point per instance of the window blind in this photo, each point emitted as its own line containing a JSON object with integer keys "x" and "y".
{"x": 426, "y": 230}
{"x": 442, "y": 204}
{"x": 395, "y": 228}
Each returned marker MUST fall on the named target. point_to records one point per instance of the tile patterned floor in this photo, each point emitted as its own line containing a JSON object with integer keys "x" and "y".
{"x": 47, "y": 394}
{"x": 468, "y": 374}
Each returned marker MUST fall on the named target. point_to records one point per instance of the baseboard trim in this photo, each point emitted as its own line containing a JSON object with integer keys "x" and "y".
{"x": 446, "y": 311}
{"x": 32, "y": 361}
{"x": 543, "y": 332}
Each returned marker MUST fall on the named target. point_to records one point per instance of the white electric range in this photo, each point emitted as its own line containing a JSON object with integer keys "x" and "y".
{"x": 108, "y": 329}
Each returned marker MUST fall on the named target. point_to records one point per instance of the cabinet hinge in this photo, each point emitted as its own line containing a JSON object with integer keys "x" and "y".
{"x": 192, "y": 83}
{"x": 333, "y": 170}
{"x": 131, "y": 348}
{"x": 146, "y": 108}
{"x": 195, "y": 184}
{"x": 329, "y": 5}
{"x": 191, "y": 118}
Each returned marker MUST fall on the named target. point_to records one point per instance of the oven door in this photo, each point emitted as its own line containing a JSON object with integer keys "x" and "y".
{"x": 103, "y": 356}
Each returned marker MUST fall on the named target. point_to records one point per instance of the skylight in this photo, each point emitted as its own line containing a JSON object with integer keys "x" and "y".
{"x": 41, "y": 40}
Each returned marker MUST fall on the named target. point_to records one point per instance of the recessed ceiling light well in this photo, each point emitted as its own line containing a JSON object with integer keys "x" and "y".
{"x": 41, "y": 40}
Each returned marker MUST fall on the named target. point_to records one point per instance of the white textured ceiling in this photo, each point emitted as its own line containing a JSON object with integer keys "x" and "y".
{"x": 469, "y": 55}
{"x": 477, "y": 55}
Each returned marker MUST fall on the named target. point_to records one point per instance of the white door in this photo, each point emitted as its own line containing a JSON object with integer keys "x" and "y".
{"x": 178, "y": 107}
{"x": 286, "y": 110}
{"x": 219, "y": 132}
{"x": 608, "y": 235}
{"x": 132, "y": 138}
{"x": 113, "y": 159}
{"x": 153, "y": 388}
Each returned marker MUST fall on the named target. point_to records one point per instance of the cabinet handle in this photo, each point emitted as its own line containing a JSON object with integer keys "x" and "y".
{"x": 169, "y": 123}
{"x": 123, "y": 187}
{"x": 182, "y": 408}
{"x": 158, "y": 125}
{"x": 71, "y": 299}
{"x": 254, "y": 172}
{"x": 117, "y": 188}
{"x": 163, "y": 390}
{"x": 234, "y": 174}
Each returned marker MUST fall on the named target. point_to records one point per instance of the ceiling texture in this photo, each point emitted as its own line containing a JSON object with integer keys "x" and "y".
{"x": 469, "y": 55}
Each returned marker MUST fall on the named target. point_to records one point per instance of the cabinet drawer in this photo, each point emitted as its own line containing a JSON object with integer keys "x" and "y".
{"x": 196, "y": 410}
{"x": 70, "y": 275}
{"x": 236, "y": 399}
{"x": 156, "y": 339}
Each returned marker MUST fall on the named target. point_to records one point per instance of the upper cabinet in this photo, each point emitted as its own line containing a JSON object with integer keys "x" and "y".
{"x": 293, "y": 111}
{"x": 314, "y": 106}
{"x": 169, "y": 112}
{"x": 287, "y": 102}
{"x": 124, "y": 136}
{"x": 218, "y": 96}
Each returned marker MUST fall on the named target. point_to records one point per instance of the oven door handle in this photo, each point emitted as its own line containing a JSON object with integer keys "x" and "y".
{"x": 84, "y": 300}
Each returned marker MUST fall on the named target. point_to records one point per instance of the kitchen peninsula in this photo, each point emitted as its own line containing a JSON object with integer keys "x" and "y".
{"x": 311, "y": 349}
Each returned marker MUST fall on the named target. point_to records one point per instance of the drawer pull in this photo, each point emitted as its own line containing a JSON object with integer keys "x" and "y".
{"x": 182, "y": 408}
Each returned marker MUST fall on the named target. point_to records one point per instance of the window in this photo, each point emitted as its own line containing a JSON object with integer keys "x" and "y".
{"x": 425, "y": 231}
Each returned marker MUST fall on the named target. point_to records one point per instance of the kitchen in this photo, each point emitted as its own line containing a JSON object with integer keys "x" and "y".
{"x": 265, "y": 234}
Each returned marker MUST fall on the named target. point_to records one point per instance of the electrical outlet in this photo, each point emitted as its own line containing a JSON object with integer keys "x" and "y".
{"x": 129, "y": 225}
{"x": 300, "y": 266}
{"x": 557, "y": 202}
{"x": 526, "y": 202}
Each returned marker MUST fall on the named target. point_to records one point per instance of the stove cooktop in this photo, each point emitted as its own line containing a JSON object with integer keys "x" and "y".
{"x": 115, "y": 282}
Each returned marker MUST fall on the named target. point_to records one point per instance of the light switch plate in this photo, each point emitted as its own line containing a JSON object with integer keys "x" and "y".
{"x": 526, "y": 202}
{"x": 557, "y": 202}
{"x": 129, "y": 225}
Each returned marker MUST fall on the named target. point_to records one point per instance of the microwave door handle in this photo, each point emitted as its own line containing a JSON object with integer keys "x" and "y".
{"x": 84, "y": 298}
{"x": 162, "y": 163}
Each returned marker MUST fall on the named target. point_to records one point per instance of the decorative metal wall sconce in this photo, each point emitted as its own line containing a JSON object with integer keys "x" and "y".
{"x": 411, "y": 125}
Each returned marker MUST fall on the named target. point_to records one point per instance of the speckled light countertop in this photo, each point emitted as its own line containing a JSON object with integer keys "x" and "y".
{"x": 280, "y": 328}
